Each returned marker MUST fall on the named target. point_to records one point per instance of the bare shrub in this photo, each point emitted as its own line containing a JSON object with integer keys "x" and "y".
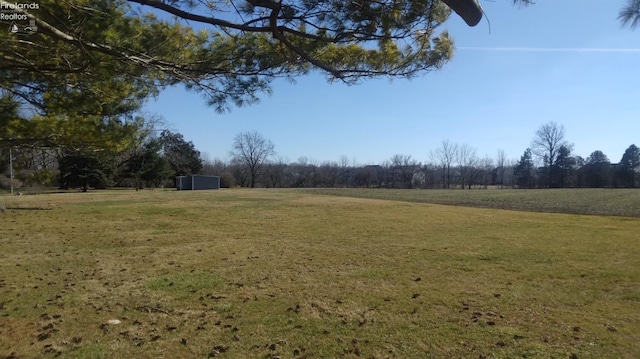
{"x": 5, "y": 182}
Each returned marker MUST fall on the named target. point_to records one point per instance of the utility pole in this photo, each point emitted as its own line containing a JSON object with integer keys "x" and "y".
{"x": 11, "y": 167}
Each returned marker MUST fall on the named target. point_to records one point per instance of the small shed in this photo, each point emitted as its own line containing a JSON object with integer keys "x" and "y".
{"x": 193, "y": 182}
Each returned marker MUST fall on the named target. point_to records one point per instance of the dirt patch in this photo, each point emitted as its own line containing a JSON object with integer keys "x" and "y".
{"x": 14, "y": 330}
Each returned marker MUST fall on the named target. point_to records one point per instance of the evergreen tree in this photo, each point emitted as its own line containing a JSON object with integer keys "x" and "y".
{"x": 148, "y": 165}
{"x": 181, "y": 155}
{"x": 630, "y": 14}
{"x": 629, "y": 166}
{"x": 84, "y": 47}
{"x": 597, "y": 169}
{"x": 84, "y": 169}
{"x": 524, "y": 170}
{"x": 562, "y": 171}
{"x": 9, "y": 113}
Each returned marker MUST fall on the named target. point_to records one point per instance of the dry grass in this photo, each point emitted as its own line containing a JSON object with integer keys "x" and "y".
{"x": 591, "y": 201}
{"x": 263, "y": 274}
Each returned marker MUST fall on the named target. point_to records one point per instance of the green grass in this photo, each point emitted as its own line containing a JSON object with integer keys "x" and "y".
{"x": 260, "y": 274}
{"x": 591, "y": 201}
{"x": 184, "y": 284}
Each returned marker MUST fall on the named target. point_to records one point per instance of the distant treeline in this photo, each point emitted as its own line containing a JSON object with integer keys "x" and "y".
{"x": 157, "y": 160}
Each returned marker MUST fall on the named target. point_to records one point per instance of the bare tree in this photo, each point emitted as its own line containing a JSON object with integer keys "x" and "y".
{"x": 304, "y": 172}
{"x": 546, "y": 144}
{"x": 207, "y": 164}
{"x": 275, "y": 172}
{"x": 486, "y": 166}
{"x": 402, "y": 168}
{"x": 368, "y": 176}
{"x": 213, "y": 167}
{"x": 252, "y": 150}
{"x": 328, "y": 174}
{"x": 223, "y": 169}
{"x": 345, "y": 171}
{"x": 508, "y": 174}
{"x": 502, "y": 166}
{"x": 467, "y": 160}
{"x": 431, "y": 175}
{"x": 445, "y": 157}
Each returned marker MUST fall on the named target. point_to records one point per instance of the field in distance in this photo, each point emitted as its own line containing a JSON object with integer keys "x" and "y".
{"x": 293, "y": 274}
{"x": 604, "y": 202}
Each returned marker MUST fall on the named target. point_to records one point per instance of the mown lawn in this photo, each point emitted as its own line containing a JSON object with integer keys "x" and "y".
{"x": 593, "y": 201}
{"x": 292, "y": 274}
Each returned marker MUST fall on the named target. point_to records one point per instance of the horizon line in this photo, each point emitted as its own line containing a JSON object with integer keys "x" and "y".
{"x": 549, "y": 49}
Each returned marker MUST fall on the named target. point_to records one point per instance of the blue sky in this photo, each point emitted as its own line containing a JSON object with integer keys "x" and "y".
{"x": 566, "y": 61}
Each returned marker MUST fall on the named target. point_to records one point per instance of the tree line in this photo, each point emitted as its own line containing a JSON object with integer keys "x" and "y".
{"x": 153, "y": 158}
{"x": 547, "y": 163}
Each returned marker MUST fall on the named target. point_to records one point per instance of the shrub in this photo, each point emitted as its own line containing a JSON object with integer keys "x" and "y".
{"x": 227, "y": 180}
{"x": 5, "y": 182}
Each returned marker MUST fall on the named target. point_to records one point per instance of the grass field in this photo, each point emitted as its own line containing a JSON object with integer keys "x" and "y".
{"x": 607, "y": 202}
{"x": 293, "y": 274}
